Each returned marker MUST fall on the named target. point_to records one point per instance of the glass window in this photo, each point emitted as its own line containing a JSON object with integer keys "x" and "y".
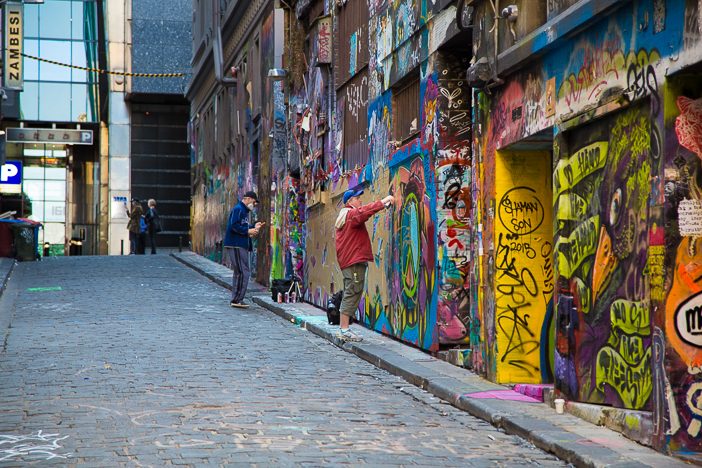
{"x": 37, "y": 210}
{"x": 55, "y": 102}
{"x": 32, "y": 172}
{"x": 31, "y": 21}
{"x": 58, "y": 51}
{"x": 79, "y": 103}
{"x": 55, "y": 173}
{"x": 77, "y": 20}
{"x": 55, "y": 190}
{"x": 55, "y": 20}
{"x": 31, "y": 66}
{"x": 34, "y": 189}
{"x": 29, "y": 101}
{"x": 55, "y": 233}
{"x": 78, "y": 59}
{"x": 55, "y": 211}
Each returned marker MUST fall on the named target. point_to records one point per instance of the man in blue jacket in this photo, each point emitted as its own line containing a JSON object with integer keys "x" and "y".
{"x": 237, "y": 244}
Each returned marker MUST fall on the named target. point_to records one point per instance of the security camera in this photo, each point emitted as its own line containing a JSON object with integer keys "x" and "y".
{"x": 510, "y": 12}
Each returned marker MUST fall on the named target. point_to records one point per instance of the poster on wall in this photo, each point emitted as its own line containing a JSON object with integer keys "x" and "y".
{"x": 119, "y": 208}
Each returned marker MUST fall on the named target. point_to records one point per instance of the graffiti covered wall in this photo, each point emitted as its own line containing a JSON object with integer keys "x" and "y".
{"x": 446, "y": 128}
{"x": 601, "y": 190}
{"x": 680, "y": 414}
{"x": 625, "y": 123}
{"x": 416, "y": 284}
{"x": 411, "y": 263}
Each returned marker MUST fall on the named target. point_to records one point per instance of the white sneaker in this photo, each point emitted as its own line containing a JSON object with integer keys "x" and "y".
{"x": 347, "y": 335}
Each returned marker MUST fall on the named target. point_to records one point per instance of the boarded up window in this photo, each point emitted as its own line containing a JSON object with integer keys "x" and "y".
{"x": 351, "y": 78}
{"x": 405, "y": 110}
{"x": 351, "y": 40}
{"x": 354, "y": 96}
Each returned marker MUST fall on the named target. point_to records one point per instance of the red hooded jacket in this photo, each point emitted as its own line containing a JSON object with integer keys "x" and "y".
{"x": 352, "y": 241}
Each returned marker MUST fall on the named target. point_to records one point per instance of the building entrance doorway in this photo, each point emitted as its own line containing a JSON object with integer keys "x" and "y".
{"x": 44, "y": 183}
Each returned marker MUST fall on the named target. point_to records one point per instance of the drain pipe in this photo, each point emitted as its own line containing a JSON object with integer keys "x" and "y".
{"x": 227, "y": 82}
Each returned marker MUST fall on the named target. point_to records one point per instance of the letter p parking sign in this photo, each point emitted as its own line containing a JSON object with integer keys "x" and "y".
{"x": 11, "y": 177}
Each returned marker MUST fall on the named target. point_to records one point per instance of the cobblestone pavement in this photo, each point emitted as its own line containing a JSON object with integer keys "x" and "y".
{"x": 139, "y": 361}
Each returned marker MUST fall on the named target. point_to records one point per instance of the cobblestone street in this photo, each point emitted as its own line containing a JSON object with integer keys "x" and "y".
{"x": 139, "y": 361}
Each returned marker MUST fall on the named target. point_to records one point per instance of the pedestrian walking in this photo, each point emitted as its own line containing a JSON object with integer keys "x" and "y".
{"x": 238, "y": 245}
{"x": 153, "y": 223}
{"x": 353, "y": 252}
{"x": 134, "y": 225}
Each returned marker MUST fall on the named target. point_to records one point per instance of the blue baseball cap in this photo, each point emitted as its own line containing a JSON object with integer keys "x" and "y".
{"x": 350, "y": 194}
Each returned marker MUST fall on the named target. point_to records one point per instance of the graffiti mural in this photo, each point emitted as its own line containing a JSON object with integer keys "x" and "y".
{"x": 411, "y": 261}
{"x": 446, "y": 130}
{"x": 601, "y": 194}
{"x": 683, "y": 302}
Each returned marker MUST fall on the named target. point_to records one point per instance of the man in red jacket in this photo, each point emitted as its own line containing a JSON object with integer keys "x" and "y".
{"x": 353, "y": 252}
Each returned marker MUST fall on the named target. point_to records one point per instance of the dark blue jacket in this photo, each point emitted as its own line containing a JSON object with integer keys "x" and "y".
{"x": 237, "y": 234}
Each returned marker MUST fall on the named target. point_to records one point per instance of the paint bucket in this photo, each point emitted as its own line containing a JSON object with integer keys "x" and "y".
{"x": 560, "y": 405}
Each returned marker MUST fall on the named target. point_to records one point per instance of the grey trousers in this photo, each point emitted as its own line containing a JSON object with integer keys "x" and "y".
{"x": 241, "y": 272}
{"x": 354, "y": 284}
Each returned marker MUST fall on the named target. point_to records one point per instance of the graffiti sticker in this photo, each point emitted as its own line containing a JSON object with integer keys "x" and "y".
{"x": 688, "y": 320}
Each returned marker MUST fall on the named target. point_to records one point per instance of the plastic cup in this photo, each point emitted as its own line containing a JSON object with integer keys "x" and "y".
{"x": 560, "y": 405}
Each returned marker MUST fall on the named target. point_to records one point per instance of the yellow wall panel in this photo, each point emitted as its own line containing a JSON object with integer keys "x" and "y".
{"x": 523, "y": 263}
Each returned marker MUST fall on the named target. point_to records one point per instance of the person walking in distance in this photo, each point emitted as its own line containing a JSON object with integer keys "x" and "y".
{"x": 237, "y": 245}
{"x": 134, "y": 225}
{"x": 353, "y": 252}
{"x": 153, "y": 223}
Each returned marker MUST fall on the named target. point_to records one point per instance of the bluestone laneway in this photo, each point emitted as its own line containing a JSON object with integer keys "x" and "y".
{"x": 139, "y": 361}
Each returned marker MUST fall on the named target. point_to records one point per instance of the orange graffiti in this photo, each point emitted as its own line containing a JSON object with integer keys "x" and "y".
{"x": 687, "y": 283}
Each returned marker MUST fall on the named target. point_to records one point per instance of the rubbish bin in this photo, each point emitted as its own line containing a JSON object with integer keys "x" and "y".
{"x": 6, "y": 238}
{"x": 26, "y": 245}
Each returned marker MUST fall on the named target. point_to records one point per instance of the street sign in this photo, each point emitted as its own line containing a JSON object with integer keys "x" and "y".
{"x": 12, "y": 54}
{"x": 11, "y": 177}
{"x": 58, "y": 136}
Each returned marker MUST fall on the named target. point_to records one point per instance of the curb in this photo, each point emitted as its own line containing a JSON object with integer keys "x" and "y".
{"x": 6, "y": 272}
{"x": 569, "y": 438}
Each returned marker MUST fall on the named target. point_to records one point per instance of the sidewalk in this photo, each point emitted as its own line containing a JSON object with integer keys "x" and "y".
{"x": 6, "y": 267}
{"x": 570, "y": 438}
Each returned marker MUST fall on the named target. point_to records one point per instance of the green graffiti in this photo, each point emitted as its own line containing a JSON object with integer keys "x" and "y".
{"x": 584, "y": 294}
{"x": 571, "y": 207}
{"x": 569, "y": 172}
{"x": 633, "y": 383}
{"x": 581, "y": 244}
{"x": 631, "y": 317}
{"x": 47, "y": 288}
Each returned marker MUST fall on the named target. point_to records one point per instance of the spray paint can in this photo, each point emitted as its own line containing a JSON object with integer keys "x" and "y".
{"x": 287, "y": 297}
{"x": 280, "y": 297}
{"x": 293, "y": 297}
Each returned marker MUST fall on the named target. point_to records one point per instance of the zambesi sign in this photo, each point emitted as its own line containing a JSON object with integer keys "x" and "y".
{"x": 13, "y": 46}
